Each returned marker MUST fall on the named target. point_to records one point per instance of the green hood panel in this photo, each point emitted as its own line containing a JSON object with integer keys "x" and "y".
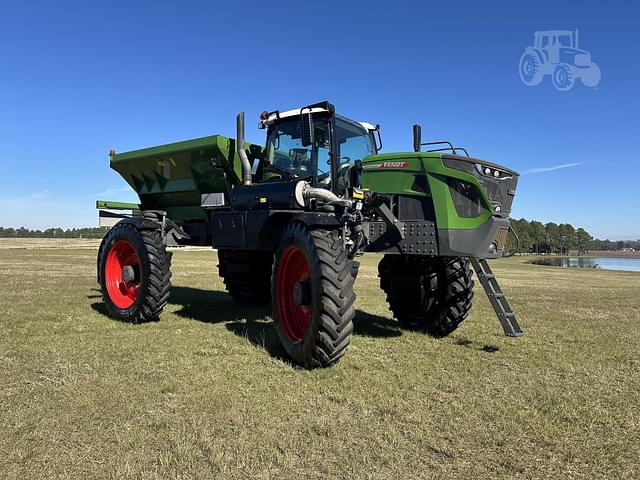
{"x": 424, "y": 174}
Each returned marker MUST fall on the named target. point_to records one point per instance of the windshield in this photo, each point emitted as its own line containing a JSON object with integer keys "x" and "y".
{"x": 564, "y": 40}
{"x": 354, "y": 143}
{"x": 286, "y": 152}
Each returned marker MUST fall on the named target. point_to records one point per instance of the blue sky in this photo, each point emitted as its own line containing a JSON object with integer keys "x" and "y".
{"x": 78, "y": 78}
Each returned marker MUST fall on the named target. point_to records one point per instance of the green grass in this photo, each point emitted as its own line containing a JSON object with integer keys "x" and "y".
{"x": 205, "y": 392}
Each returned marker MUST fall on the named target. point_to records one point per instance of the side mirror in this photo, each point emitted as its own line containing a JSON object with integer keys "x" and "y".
{"x": 306, "y": 129}
{"x": 417, "y": 137}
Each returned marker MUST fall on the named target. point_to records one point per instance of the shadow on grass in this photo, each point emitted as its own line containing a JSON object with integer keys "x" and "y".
{"x": 262, "y": 334}
{"x": 211, "y": 306}
{"x": 102, "y": 310}
{"x": 466, "y": 343}
{"x": 250, "y": 322}
{"x": 254, "y": 323}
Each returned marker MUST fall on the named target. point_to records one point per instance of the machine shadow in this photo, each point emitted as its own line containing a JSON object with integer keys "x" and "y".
{"x": 253, "y": 323}
{"x": 102, "y": 310}
{"x": 212, "y": 306}
{"x": 466, "y": 343}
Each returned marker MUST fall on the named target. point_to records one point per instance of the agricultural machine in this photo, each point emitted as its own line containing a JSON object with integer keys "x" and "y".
{"x": 556, "y": 53}
{"x": 289, "y": 220}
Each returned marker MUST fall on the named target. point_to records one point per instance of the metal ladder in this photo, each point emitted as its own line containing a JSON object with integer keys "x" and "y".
{"x": 498, "y": 301}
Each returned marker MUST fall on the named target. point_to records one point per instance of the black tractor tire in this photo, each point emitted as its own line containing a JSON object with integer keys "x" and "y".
{"x": 429, "y": 294}
{"x": 312, "y": 295}
{"x": 134, "y": 273}
{"x": 246, "y": 275}
{"x": 99, "y": 257}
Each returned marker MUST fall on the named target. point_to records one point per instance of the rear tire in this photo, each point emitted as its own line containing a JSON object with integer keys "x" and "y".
{"x": 134, "y": 273}
{"x": 246, "y": 275}
{"x": 425, "y": 293}
{"x": 530, "y": 69}
{"x": 312, "y": 295}
{"x": 99, "y": 258}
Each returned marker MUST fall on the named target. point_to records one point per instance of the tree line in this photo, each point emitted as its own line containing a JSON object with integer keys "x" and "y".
{"x": 552, "y": 238}
{"x": 535, "y": 237}
{"x": 88, "y": 232}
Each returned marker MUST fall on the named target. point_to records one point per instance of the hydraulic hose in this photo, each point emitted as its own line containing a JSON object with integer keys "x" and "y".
{"x": 515, "y": 250}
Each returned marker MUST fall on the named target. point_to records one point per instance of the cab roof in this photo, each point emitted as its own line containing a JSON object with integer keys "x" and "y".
{"x": 274, "y": 116}
{"x": 553, "y": 32}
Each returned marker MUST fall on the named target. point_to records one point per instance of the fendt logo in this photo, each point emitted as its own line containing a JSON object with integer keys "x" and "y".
{"x": 556, "y": 53}
{"x": 393, "y": 164}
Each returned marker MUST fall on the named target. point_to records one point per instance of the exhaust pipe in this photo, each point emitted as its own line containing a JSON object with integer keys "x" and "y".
{"x": 417, "y": 137}
{"x": 304, "y": 193}
{"x": 246, "y": 166}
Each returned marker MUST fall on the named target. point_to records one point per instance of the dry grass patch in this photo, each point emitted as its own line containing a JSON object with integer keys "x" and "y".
{"x": 206, "y": 392}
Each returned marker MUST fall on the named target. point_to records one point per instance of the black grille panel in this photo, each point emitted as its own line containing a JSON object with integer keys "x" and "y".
{"x": 499, "y": 191}
{"x": 415, "y": 208}
{"x": 465, "y": 198}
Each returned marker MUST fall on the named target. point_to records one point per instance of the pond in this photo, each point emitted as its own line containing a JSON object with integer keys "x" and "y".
{"x": 605, "y": 263}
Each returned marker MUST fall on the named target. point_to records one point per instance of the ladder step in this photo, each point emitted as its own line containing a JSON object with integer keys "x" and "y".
{"x": 497, "y": 298}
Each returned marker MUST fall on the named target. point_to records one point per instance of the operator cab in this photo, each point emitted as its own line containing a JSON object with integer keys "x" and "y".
{"x": 291, "y": 153}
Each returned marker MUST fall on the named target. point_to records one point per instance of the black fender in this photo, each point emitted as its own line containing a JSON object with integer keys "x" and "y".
{"x": 262, "y": 229}
{"x": 318, "y": 219}
{"x": 171, "y": 232}
{"x": 267, "y": 235}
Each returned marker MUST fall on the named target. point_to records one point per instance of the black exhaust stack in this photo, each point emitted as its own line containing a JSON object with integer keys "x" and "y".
{"x": 417, "y": 137}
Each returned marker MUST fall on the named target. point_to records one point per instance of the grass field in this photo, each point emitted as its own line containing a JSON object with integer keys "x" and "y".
{"x": 206, "y": 393}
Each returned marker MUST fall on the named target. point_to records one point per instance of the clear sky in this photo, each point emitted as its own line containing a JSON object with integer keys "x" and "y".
{"x": 77, "y": 78}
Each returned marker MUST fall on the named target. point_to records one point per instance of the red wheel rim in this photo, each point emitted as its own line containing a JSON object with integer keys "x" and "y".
{"x": 292, "y": 269}
{"x": 122, "y": 274}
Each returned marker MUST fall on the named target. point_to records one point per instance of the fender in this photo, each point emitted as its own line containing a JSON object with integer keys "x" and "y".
{"x": 537, "y": 53}
{"x": 318, "y": 219}
{"x": 170, "y": 231}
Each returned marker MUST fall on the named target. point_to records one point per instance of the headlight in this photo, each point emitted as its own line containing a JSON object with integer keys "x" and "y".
{"x": 492, "y": 172}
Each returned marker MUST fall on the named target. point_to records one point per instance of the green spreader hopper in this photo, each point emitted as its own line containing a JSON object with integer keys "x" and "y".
{"x": 177, "y": 177}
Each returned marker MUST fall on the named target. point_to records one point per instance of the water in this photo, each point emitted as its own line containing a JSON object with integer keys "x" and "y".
{"x": 605, "y": 263}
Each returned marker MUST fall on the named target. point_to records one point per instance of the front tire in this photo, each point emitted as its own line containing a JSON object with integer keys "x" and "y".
{"x": 312, "y": 295}
{"x": 563, "y": 78}
{"x": 425, "y": 293}
{"x": 134, "y": 273}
